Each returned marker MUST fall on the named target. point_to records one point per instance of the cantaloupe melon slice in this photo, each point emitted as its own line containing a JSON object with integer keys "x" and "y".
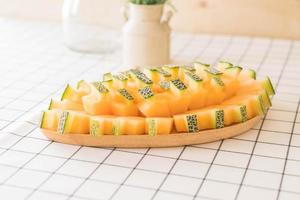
{"x": 65, "y": 105}
{"x": 109, "y": 84}
{"x": 49, "y": 119}
{"x": 73, "y": 122}
{"x": 101, "y": 125}
{"x": 247, "y": 74}
{"x": 195, "y": 121}
{"x": 201, "y": 70}
{"x": 196, "y": 91}
{"x": 98, "y": 101}
{"x": 223, "y": 65}
{"x": 84, "y": 86}
{"x": 140, "y": 79}
{"x": 232, "y": 113}
{"x": 179, "y": 97}
{"x": 172, "y": 69}
{"x": 157, "y": 74}
{"x": 267, "y": 85}
{"x": 159, "y": 126}
{"x": 124, "y": 109}
{"x": 233, "y": 71}
{"x": 177, "y": 104}
{"x": 129, "y": 126}
{"x": 153, "y": 105}
{"x": 123, "y": 103}
{"x": 137, "y": 101}
{"x": 119, "y": 80}
{"x": 254, "y": 104}
{"x": 183, "y": 70}
{"x": 73, "y": 94}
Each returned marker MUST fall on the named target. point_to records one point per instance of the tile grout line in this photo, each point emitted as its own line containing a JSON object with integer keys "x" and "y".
{"x": 287, "y": 154}
{"x": 130, "y": 173}
{"x": 260, "y": 129}
{"x": 88, "y": 177}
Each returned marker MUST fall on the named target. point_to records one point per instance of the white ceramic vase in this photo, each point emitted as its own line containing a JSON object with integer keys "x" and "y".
{"x": 146, "y": 36}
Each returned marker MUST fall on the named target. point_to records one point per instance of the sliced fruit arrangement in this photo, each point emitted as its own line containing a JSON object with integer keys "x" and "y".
{"x": 160, "y": 100}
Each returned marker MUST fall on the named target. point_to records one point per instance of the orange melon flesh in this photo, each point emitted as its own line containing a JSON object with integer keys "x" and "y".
{"x": 179, "y": 104}
{"x": 215, "y": 94}
{"x": 124, "y": 109}
{"x": 65, "y": 105}
{"x": 122, "y": 103}
{"x": 101, "y": 125}
{"x": 129, "y": 126}
{"x": 249, "y": 86}
{"x": 198, "y": 99}
{"x": 73, "y": 122}
{"x": 49, "y": 119}
{"x": 231, "y": 87}
{"x": 159, "y": 125}
{"x": 96, "y": 103}
{"x": 96, "y": 106}
{"x": 156, "y": 106}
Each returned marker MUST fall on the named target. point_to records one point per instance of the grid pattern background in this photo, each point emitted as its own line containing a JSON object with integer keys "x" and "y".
{"x": 263, "y": 163}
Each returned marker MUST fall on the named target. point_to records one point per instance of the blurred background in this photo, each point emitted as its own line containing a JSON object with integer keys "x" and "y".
{"x": 267, "y": 18}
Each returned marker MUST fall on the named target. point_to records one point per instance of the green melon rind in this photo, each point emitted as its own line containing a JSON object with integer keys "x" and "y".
{"x": 189, "y": 68}
{"x": 267, "y": 84}
{"x": 116, "y": 129}
{"x": 178, "y": 85}
{"x": 50, "y": 105}
{"x": 194, "y": 77}
{"x": 266, "y": 99}
{"x": 79, "y": 83}
{"x": 251, "y": 73}
{"x": 140, "y": 76}
{"x": 233, "y": 70}
{"x": 100, "y": 87}
{"x": 164, "y": 85}
{"x": 192, "y": 123}
{"x": 260, "y": 105}
{"x": 152, "y": 126}
{"x": 146, "y": 92}
{"x": 204, "y": 65}
{"x": 159, "y": 70}
{"x": 124, "y": 93}
{"x": 63, "y": 122}
{"x": 218, "y": 80}
{"x": 43, "y": 118}
{"x": 242, "y": 113}
{"x": 224, "y": 64}
{"x": 213, "y": 72}
{"x": 218, "y": 119}
{"x": 171, "y": 68}
{"x": 94, "y": 128}
{"x": 66, "y": 92}
{"x": 107, "y": 76}
{"x": 120, "y": 77}
{"x": 108, "y": 83}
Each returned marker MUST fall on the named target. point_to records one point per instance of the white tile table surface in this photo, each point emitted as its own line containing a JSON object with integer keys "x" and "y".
{"x": 263, "y": 163}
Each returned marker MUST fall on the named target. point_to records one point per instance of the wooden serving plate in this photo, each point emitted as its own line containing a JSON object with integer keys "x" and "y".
{"x": 139, "y": 141}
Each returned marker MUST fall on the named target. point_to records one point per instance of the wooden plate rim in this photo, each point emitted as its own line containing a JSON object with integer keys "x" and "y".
{"x": 142, "y": 141}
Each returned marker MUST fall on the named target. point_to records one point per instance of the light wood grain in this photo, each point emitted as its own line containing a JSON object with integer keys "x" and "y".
{"x": 139, "y": 141}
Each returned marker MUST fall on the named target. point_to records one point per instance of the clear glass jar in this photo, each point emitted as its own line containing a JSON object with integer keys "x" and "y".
{"x": 81, "y": 28}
